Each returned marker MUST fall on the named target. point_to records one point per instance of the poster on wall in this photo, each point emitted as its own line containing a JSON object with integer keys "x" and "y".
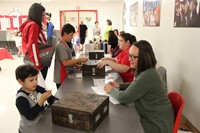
{"x": 187, "y": 13}
{"x": 151, "y": 12}
{"x": 134, "y": 14}
{"x": 124, "y": 16}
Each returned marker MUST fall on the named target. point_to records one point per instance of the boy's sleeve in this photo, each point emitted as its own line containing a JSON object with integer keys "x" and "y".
{"x": 62, "y": 53}
{"x": 25, "y": 109}
{"x": 52, "y": 99}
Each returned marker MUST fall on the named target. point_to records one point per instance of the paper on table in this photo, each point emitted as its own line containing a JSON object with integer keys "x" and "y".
{"x": 99, "y": 82}
{"x": 41, "y": 81}
{"x": 99, "y": 90}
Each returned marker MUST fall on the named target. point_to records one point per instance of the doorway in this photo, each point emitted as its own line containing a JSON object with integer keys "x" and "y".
{"x": 75, "y": 16}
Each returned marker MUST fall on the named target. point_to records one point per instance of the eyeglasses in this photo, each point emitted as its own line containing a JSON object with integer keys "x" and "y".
{"x": 132, "y": 56}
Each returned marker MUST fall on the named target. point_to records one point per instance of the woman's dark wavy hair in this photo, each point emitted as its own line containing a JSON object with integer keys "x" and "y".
{"x": 146, "y": 57}
{"x": 35, "y": 13}
{"x": 128, "y": 37}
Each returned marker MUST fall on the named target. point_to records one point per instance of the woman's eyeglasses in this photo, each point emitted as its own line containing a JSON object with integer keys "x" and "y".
{"x": 132, "y": 56}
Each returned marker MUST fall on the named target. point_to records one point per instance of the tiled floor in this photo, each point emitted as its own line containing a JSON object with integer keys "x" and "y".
{"x": 9, "y": 115}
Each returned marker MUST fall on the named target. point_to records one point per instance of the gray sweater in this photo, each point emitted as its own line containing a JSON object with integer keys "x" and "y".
{"x": 26, "y": 126}
{"x": 151, "y": 101}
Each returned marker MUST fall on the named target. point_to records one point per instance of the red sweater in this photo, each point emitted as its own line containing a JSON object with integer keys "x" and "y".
{"x": 32, "y": 34}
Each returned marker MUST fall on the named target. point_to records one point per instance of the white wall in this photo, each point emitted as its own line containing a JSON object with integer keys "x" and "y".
{"x": 106, "y": 10}
{"x": 178, "y": 49}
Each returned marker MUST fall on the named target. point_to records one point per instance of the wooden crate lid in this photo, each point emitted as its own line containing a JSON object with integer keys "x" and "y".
{"x": 83, "y": 102}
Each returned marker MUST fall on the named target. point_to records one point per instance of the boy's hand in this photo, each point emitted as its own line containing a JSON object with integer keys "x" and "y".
{"x": 44, "y": 97}
{"x": 78, "y": 66}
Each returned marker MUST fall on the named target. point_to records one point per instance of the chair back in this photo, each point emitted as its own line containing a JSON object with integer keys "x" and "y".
{"x": 163, "y": 72}
{"x": 177, "y": 102}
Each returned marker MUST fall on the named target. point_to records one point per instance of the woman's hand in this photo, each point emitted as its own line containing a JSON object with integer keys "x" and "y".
{"x": 107, "y": 87}
{"x": 102, "y": 63}
{"x": 114, "y": 84}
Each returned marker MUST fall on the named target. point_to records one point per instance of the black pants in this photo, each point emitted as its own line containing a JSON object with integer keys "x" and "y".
{"x": 44, "y": 71}
{"x": 82, "y": 39}
{"x": 50, "y": 41}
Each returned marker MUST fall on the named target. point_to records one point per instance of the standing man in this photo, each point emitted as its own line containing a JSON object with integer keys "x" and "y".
{"x": 50, "y": 29}
{"x": 83, "y": 33}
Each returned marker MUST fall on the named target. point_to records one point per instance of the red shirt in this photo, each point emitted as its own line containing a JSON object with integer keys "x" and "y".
{"x": 122, "y": 58}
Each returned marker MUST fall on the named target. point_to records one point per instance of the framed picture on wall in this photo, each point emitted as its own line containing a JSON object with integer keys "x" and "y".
{"x": 134, "y": 14}
{"x": 187, "y": 13}
{"x": 124, "y": 16}
{"x": 151, "y": 12}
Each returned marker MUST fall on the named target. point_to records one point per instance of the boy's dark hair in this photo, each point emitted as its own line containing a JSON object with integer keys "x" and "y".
{"x": 24, "y": 71}
{"x": 128, "y": 37}
{"x": 35, "y": 13}
{"x": 68, "y": 28}
{"x": 146, "y": 56}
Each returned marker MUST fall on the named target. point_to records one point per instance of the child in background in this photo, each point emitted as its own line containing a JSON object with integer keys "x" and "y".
{"x": 31, "y": 98}
{"x": 18, "y": 41}
{"x": 76, "y": 40}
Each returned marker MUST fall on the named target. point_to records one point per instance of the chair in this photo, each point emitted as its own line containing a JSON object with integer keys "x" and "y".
{"x": 163, "y": 72}
{"x": 177, "y": 102}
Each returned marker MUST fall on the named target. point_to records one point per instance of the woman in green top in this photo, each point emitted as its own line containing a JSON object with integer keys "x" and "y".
{"x": 109, "y": 27}
{"x": 148, "y": 91}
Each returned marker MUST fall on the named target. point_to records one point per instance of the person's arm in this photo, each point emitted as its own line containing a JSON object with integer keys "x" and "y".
{"x": 86, "y": 33}
{"x": 73, "y": 62}
{"x": 111, "y": 59}
{"x": 124, "y": 86}
{"x": 51, "y": 99}
{"x": 33, "y": 50}
{"x": 64, "y": 56}
{"x": 50, "y": 30}
{"x": 24, "y": 108}
{"x": 135, "y": 90}
{"x": 118, "y": 67}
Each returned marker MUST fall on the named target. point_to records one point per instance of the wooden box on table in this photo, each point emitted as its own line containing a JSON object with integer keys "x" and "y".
{"x": 90, "y": 69}
{"x": 80, "y": 111}
{"x": 96, "y": 54}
